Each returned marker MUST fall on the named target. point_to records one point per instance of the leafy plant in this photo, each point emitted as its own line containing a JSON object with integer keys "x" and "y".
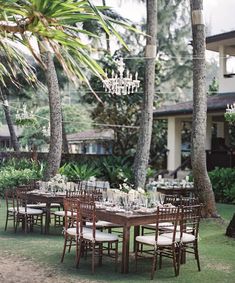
{"x": 223, "y": 180}
{"x": 229, "y": 117}
{"x": 11, "y": 178}
{"x": 15, "y": 172}
{"x": 117, "y": 170}
{"x": 76, "y": 172}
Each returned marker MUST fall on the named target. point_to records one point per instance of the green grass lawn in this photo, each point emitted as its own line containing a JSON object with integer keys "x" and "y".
{"x": 217, "y": 255}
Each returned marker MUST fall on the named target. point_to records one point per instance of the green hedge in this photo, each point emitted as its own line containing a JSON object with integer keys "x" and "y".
{"x": 223, "y": 184}
{"x": 19, "y": 172}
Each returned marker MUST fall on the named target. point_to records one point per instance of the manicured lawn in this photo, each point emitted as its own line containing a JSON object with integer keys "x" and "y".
{"x": 217, "y": 254}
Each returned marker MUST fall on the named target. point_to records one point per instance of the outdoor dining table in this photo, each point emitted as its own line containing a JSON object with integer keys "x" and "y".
{"x": 127, "y": 220}
{"x": 183, "y": 191}
{"x": 48, "y": 199}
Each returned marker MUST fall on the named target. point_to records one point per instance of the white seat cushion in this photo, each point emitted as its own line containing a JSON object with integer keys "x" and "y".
{"x": 42, "y": 205}
{"x": 150, "y": 240}
{"x": 35, "y": 205}
{"x": 62, "y": 213}
{"x": 100, "y": 236}
{"x": 103, "y": 224}
{"x": 73, "y": 231}
{"x": 12, "y": 209}
{"x": 31, "y": 211}
{"x": 186, "y": 238}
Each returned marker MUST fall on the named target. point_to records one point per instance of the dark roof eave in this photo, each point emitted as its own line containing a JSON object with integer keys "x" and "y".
{"x": 170, "y": 113}
{"x": 216, "y": 103}
{"x": 221, "y": 36}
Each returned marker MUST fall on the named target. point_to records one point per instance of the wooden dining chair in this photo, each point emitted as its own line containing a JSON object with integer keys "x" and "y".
{"x": 168, "y": 199}
{"x": 187, "y": 236}
{"x": 97, "y": 239}
{"x": 72, "y": 227}
{"x": 189, "y": 231}
{"x": 157, "y": 245}
{"x": 10, "y": 199}
{"x": 29, "y": 217}
{"x": 189, "y": 201}
{"x": 171, "y": 199}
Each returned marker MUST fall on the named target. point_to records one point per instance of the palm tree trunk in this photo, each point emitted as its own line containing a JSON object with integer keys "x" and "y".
{"x": 14, "y": 140}
{"x": 55, "y": 149}
{"x": 201, "y": 179}
{"x": 107, "y": 37}
{"x": 145, "y": 133}
{"x": 65, "y": 145}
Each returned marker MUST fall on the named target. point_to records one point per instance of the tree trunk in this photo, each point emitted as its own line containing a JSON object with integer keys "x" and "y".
{"x": 201, "y": 180}
{"x": 65, "y": 145}
{"x": 14, "y": 139}
{"x": 55, "y": 149}
{"x": 145, "y": 132}
{"x": 230, "y": 231}
{"x": 107, "y": 37}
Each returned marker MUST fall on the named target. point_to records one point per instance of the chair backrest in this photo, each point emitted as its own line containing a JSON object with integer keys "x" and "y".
{"x": 96, "y": 195}
{"x": 21, "y": 198}
{"x": 88, "y": 213}
{"x": 73, "y": 194}
{"x": 190, "y": 219}
{"x": 10, "y": 198}
{"x": 169, "y": 216}
{"x": 189, "y": 201}
{"x": 173, "y": 199}
{"x": 72, "y": 215}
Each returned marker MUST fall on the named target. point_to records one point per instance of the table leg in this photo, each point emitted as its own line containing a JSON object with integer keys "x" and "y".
{"x": 47, "y": 220}
{"x": 125, "y": 249}
{"x": 136, "y": 233}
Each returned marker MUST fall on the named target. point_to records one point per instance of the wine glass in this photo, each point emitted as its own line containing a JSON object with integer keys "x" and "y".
{"x": 161, "y": 198}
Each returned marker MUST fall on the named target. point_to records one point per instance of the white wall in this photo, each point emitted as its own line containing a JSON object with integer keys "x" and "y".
{"x": 174, "y": 143}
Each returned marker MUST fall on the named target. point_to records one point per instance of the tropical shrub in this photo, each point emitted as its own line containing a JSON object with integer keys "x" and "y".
{"x": 76, "y": 171}
{"x": 117, "y": 170}
{"x": 15, "y": 172}
{"x": 223, "y": 184}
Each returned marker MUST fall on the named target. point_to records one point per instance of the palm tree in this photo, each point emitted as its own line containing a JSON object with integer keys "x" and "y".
{"x": 12, "y": 61}
{"x": 55, "y": 27}
{"x": 145, "y": 133}
{"x": 201, "y": 179}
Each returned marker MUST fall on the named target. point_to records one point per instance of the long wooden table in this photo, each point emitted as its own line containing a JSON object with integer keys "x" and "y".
{"x": 124, "y": 219}
{"x": 176, "y": 190}
{"x": 48, "y": 199}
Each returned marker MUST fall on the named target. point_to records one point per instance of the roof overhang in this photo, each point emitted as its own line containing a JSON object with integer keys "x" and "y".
{"x": 224, "y": 39}
{"x": 216, "y": 104}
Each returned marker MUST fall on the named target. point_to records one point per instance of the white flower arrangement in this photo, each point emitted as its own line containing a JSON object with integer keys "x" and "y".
{"x": 58, "y": 182}
{"x": 140, "y": 190}
{"x": 92, "y": 179}
{"x": 230, "y": 113}
{"x": 125, "y": 186}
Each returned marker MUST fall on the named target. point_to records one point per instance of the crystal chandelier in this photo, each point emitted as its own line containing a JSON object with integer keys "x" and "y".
{"x": 120, "y": 85}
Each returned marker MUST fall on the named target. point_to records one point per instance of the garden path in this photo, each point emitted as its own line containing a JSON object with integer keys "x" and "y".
{"x": 15, "y": 269}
